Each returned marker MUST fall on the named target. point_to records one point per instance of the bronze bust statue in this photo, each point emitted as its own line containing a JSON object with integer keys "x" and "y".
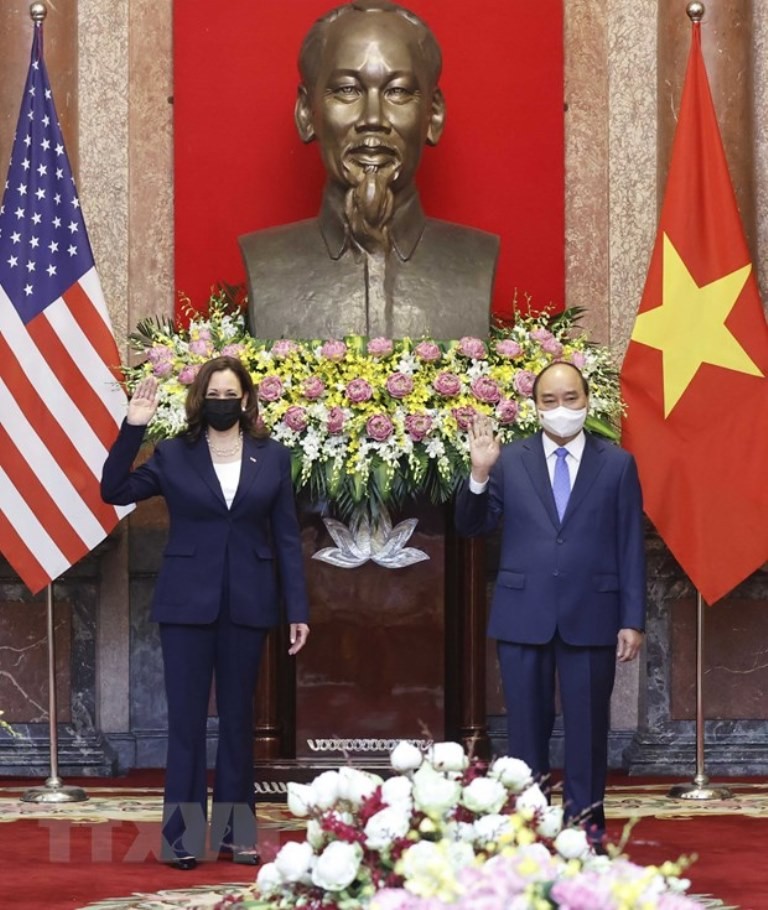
{"x": 371, "y": 263}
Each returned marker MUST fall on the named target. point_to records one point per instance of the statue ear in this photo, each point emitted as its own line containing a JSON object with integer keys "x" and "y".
{"x": 437, "y": 118}
{"x": 302, "y": 114}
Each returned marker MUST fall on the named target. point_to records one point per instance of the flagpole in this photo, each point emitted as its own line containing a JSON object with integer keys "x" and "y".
{"x": 54, "y": 790}
{"x": 699, "y": 788}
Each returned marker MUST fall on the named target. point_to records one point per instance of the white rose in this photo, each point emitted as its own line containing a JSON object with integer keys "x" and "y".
{"x": 512, "y": 772}
{"x": 532, "y": 798}
{"x": 405, "y": 757}
{"x": 315, "y": 834}
{"x": 447, "y": 757}
{"x": 269, "y": 878}
{"x": 294, "y": 860}
{"x": 325, "y": 789}
{"x": 572, "y": 843}
{"x": 459, "y": 831}
{"x": 299, "y": 799}
{"x": 423, "y": 858}
{"x": 355, "y": 786}
{"x": 550, "y": 822}
{"x": 433, "y": 793}
{"x": 490, "y": 827}
{"x": 396, "y": 790}
{"x": 337, "y": 866}
{"x": 484, "y": 794}
{"x": 383, "y": 827}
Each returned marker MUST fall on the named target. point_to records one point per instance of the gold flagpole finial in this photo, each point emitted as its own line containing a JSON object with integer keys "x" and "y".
{"x": 695, "y": 11}
{"x": 38, "y": 12}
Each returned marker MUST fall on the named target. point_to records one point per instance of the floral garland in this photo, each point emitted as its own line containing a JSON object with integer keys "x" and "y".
{"x": 371, "y": 422}
{"x": 447, "y": 831}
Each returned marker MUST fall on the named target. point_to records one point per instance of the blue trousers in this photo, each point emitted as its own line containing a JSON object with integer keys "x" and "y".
{"x": 193, "y": 655}
{"x": 586, "y": 677}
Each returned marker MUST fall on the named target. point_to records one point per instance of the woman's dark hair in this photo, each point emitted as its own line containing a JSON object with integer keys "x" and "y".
{"x": 196, "y": 396}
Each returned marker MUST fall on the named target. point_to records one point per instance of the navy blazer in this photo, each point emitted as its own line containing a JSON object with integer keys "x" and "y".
{"x": 584, "y": 577}
{"x": 246, "y": 546}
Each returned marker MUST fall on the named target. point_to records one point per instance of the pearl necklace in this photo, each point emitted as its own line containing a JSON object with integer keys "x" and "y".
{"x": 224, "y": 453}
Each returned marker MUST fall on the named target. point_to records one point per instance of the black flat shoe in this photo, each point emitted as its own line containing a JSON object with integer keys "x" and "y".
{"x": 246, "y": 857}
{"x": 185, "y": 863}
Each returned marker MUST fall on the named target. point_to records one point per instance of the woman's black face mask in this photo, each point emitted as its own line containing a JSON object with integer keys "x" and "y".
{"x": 222, "y": 413}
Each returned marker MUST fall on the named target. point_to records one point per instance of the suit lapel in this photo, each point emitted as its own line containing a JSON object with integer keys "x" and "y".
{"x": 590, "y": 467}
{"x": 536, "y": 465}
{"x": 253, "y": 460}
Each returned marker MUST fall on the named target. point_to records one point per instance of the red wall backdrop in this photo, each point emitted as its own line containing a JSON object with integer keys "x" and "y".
{"x": 240, "y": 166}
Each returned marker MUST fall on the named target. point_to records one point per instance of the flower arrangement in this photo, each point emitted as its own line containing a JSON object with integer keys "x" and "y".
{"x": 375, "y": 421}
{"x": 447, "y": 831}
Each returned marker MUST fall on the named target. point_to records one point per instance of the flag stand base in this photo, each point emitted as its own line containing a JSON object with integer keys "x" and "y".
{"x": 54, "y": 792}
{"x": 699, "y": 789}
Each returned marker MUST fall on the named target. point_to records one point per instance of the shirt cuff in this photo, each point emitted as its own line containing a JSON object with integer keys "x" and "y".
{"x": 477, "y": 487}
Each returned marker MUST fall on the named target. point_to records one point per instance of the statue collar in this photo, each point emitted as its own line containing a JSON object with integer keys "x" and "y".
{"x": 408, "y": 224}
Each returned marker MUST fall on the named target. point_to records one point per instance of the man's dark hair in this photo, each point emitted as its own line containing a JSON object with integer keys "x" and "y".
{"x": 312, "y": 47}
{"x": 558, "y": 363}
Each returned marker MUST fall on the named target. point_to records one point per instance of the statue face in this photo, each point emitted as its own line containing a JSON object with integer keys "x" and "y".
{"x": 373, "y": 105}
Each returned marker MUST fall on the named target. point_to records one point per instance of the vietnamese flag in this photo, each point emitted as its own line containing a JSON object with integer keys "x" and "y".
{"x": 694, "y": 376}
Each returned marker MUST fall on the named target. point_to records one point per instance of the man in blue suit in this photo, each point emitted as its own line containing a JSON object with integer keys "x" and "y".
{"x": 570, "y": 593}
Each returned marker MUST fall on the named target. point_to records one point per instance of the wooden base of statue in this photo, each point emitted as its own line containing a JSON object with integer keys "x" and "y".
{"x": 394, "y": 653}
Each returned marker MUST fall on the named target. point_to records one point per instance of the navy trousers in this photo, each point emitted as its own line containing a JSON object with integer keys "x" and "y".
{"x": 586, "y": 677}
{"x": 193, "y": 655}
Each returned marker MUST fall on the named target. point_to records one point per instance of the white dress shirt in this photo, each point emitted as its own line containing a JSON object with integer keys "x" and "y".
{"x": 229, "y": 478}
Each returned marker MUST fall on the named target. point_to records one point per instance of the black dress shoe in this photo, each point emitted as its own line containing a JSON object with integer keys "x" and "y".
{"x": 244, "y": 856}
{"x": 185, "y": 863}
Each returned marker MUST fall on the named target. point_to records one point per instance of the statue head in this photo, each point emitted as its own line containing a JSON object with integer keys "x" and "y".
{"x": 369, "y": 94}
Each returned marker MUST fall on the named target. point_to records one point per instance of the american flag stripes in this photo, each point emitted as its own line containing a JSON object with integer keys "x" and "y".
{"x": 61, "y": 401}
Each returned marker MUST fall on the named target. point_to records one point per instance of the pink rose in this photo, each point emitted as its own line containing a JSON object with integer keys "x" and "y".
{"x": 334, "y": 350}
{"x": 485, "y": 389}
{"x": 359, "y": 390}
{"x": 541, "y": 335}
{"x": 524, "y": 382}
{"x": 159, "y": 354}
{"x": 188, "y": 373}
{"x": 552, "y": 346}
{"x": 428, "y": 351}
{"x": 201, "y": 347}
{"x": 464, "y": 416}
{"x": 335, "y": 421}
{"x": 204, "y": 333}
{"x": 379, "y": 427}
{"x": 283, "y": 347}
{"x": 232, "y": 350}
{"x": 579, "y": 360}
{"x": 270, "y": 388}
{"x": 418, "y": 426}
{"x": 506, "y": 411}
{"x": 162, "y": 368}
{"x": 508, "y": 348}
{"x": 296, "y": 418}
{"x": 313, "y": 388}
{"x": 380, "y": 347}
{"x": 472, "y": 347}
{"x": 399, "y": 385}
{"x": 447, "y": 384}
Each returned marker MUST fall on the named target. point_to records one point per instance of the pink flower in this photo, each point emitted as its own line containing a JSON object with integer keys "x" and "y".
{"x": 418, "y": 426}
{"x": 162, "y": 368}
{"x": 232, "y": 350}
{"x": 464, "y": 416}
{"x": 485, "y": 389}
{"x": 313, "y": 388}
{"x": 524, "y": 382}
{"x": 472, "y": 347}
{"x": 428, "y": 351}
{"x": 541, "y": 335}
{"x": 508, "y": 348}
{"x": 379, "y": 427}
{"x": 204, "y": 333}
{"x": 283, "y": 347}
{"x": 270, "y": 388}
{"x": 296, "y": 418}
{"x": 506, "y": 411}
{"x": 447, "y": 384}
{"x": 201, "y": 347}
{"x": 336, "y": 420}
{"x": 159, "y": 354}
{"x": 188, "y": 373}
{"x": 552, "y": 346}
{"x": 359, "y": 390}
{"x": 579, "y": 360}
{"x": 380, "y": 347}
{"x": 399, "y": 385}
{"x": 334, "y": 350}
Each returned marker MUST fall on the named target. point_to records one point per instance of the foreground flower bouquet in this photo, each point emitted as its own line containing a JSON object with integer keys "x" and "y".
{"x": 372, "y": 422}
{"x": 447, "y": 832}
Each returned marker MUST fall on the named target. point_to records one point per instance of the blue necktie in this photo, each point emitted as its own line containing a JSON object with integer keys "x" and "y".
{"x": 561, "y": 483}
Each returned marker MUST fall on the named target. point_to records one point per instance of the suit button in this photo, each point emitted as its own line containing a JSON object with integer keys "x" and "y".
{"x": 556, "y": 572}
{"x": 560, "y": 540}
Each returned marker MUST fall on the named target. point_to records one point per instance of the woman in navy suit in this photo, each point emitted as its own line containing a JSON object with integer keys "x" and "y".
{"x": 233, "y": 551}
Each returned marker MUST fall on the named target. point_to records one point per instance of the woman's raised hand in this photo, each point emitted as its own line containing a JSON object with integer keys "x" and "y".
{"x": 143, "y": 404}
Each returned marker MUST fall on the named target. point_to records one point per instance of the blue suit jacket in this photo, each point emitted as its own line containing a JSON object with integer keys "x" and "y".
{"x": 245, "y": 547}
{"x": 584, "y": 577}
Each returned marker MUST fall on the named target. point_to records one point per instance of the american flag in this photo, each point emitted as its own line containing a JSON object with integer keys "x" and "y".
{"x": 61, "y": 402}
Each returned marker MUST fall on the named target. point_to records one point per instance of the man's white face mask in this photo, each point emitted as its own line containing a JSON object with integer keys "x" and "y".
{"x": 563, "y": 422}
